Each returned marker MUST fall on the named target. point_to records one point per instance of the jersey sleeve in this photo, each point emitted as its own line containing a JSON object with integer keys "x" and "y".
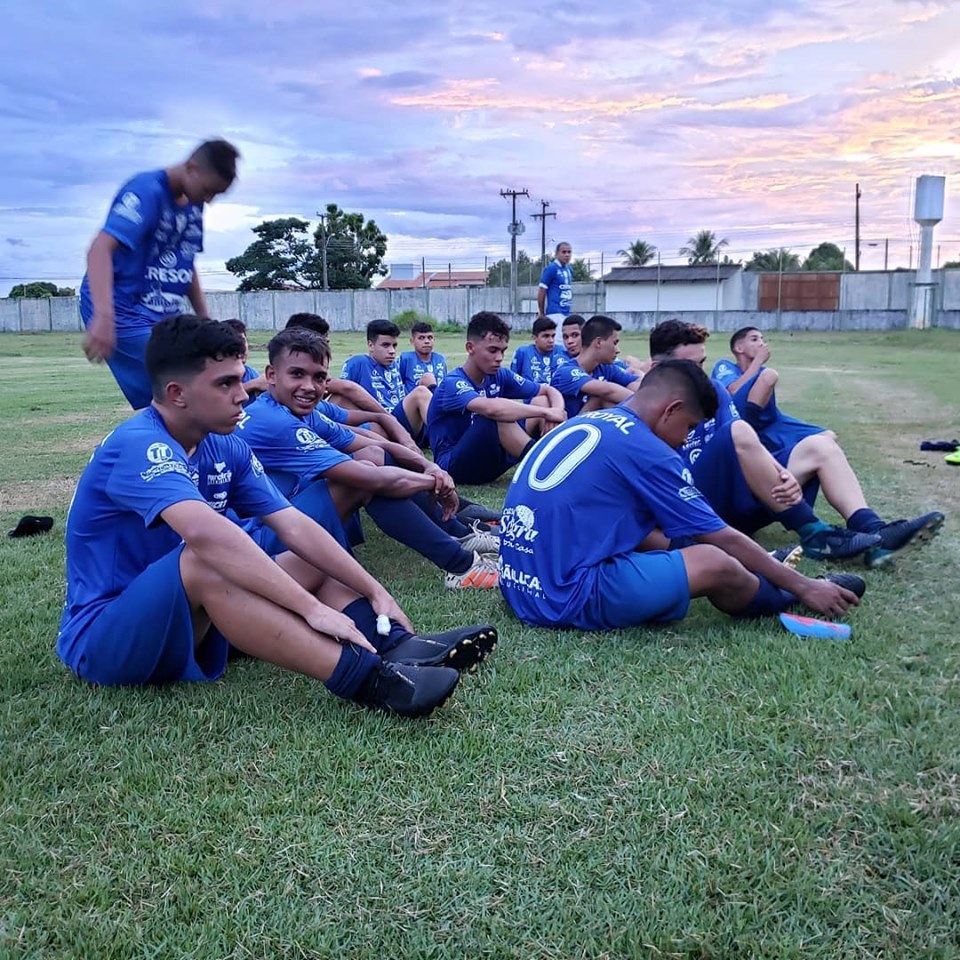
{"x": 353, "y": 369}
{"x": 726, "y": 408}
{"x": 252, "y": 493}
{"x": 516, "y": 364}
{"x": 569, "y": 379}
{"x": 405, "y": 364}
{"x": 725, "y": 372}
{"x": 515, "y": 387}
{"x": 338, "y": 436}
{"x": 134, "y": 211}
{"x": 332, "y": 412}
{"x": 453, "y": 395}
{"x": 620, "y": 375}
{"x": 548, "y": 273}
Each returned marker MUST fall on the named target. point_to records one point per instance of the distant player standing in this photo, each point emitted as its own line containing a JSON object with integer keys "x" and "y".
{"x": 555, "y": 295}
{"x": 140, "y": 265}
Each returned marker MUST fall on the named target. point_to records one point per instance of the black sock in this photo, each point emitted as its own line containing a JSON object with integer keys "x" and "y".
{"x": 767, "y": 600}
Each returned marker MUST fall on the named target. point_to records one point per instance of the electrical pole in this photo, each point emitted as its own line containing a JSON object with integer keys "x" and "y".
{"x": 324, "y": 240}
{"x": 856, "y": 242}
{"x": 542, "y": 217}
{"x": 513, "y": 229}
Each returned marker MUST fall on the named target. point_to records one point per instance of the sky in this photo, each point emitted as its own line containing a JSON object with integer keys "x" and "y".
{"x": 633, "y": 119}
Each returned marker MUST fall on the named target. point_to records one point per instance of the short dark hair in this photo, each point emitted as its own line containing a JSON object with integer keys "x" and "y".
{"x": 563, "y": 243}
{"x": 486, "y": 323}
{"x": 598, "y": 328}
{"x": 740, "y": 334}
{"x": 238, "y": 326}
{"x": 381, "y": 328}
{"x": 686, "y": 378}
{"x": 421, "y": 326}
{"x": 543, "y": 324}
{"x": 180, "y": 346}
{"x": 312, "y": 321}
{"x": 573, "y": 320}
{"x": 220, "y": 157}
{"x": 299, "y": 340}
{"x": 667, "y": 336}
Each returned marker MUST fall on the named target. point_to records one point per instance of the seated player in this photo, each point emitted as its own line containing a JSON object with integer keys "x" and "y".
{"x": 592, "y": 381}
{"x": 306, "y": 449}
{"x": 253, "y": 381}
{"x": 379, "y": 374}
{"x": 537, "y": 361}
{"x": 811, "y": 453}
{"x": 474, "y": 424}
{"x": 159, "y": 581}
{"x": 572, "y": 325}
{"x": 422, "y": 366}
{"x": 587, "y": 516}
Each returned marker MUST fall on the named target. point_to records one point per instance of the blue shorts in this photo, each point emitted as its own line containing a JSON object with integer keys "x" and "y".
{"x": 315, "y": 501}
{"x": 477, "y": 457}
{"x": 145, "y": 635}
{"x": 420, "y": 439}
{"x": 127, "y": 364}
{"x": 637, "y": 588}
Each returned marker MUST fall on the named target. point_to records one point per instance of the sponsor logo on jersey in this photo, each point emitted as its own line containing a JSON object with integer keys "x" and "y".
{"x": 128, "y": 207}
{"x": 158, "y": 452}
{"x": 256, "y": 466}
{"x": 518, "y": 524}
{"x": 525, "y": 582}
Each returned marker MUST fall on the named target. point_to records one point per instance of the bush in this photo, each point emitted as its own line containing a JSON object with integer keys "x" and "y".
{"x": 408, "y": 318}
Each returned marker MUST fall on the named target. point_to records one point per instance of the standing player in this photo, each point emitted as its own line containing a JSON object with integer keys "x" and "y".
{"x": 537, "y": 361}
{"x": 422, "y": 366}
{"x": 587, "y": 517}
{"x": 140, "y": 266}
{"x": 474, "y": 423}
{"x": 159, "y": 580}
{"x": 555, "y": 293}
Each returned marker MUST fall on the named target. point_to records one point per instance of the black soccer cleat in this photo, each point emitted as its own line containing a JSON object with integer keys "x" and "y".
{"x": 849, "y": 581}
{"x": 406, "y": 689}
{"x": 838, "y": 543}
{"x": 462, "y": 648}
{"x": 898, "y": 535}
{"x": 477, "y": 511}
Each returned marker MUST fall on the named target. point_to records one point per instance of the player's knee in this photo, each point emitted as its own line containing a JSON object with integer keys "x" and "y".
{"x": 768, "y": 377}
{"x": 372, "y": 455}
{"x": 197, "y": 575}
{"x": 744, "y": 436}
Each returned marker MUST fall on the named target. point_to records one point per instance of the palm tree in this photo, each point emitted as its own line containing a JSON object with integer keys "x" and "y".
{"x": 776, "y": 259}
{"x": 638, "y": 254}
{"x": 703, "y": 248}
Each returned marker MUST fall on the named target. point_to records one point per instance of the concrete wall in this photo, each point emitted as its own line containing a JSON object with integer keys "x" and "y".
{"x": 668, "y": 296}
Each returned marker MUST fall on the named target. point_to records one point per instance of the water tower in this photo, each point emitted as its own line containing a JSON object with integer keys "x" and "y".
{"x": 928, "y": 212}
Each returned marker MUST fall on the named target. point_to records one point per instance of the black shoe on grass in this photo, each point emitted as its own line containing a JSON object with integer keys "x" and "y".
{"x": 838, "y": 543}
{"x": 462, "y": 648}
{"x": 477, "y": 511}
{"x": 898, "y": 535}
{"x": 406, "y": 689}
{"x": 849, "y": 581}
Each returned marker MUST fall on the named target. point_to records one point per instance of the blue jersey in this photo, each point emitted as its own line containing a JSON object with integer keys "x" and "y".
{"x": 448, "y": 417}
{"x": 558, "y": 282}
{"x": 703, "y": 432}
{"x": 384, "y": 384}
{"x": 114, "y": 530}
{"x": 153, "y": 265}
{"x": 412, "y": 368}
{"x": 529, "y": 362}
{"x": 293, "y": 450}
{"x": 570, "y": 378}
{"x": 591, "y": 489}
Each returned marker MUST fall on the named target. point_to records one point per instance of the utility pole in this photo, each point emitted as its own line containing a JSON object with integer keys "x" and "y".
{"x": 513, "y": 230}
{"x": 324, "y": 240}
{"x": 856, "y": 252}
{"x": 542, "y": 217}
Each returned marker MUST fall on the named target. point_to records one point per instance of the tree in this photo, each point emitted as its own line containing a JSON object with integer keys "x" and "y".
{"x": 951, "y": 265}
{"x": 581, "y": 271}
{"x": 776, "y": 259}
{"x": 638, "y": 254}
{"x": 39, "y": 290}
{"x": 286, "y": 255}
{"x": 827, "y": 256}
{"x": 703, "y": 248}
{"x": 528, "y": 270}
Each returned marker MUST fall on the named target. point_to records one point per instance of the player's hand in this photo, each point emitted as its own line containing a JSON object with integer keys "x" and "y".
{"x": 384, "y": 604}
{"x": 554, "y": 416}
{"x": 787, "y": 492}
{"x": 428, "y": 380}
{"x": 763, "y": 353}
{"x": 100, "y": 339}
{"x": 827, "y": 598}
{"x": 337, "y": 625}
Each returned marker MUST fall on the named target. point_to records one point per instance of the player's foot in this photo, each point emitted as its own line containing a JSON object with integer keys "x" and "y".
{"x": 483, "y": 575}
{"x": 897, "y": 535}
{"x": 406, "y": 689}
{"x": 477, "y": 511}
{"x": 462, "y": 648}
{"x": 837, "y": 543}
{"x": 788, "y": 556}
{"x": 479, "y": 540}
{"x": 849, "y": 581}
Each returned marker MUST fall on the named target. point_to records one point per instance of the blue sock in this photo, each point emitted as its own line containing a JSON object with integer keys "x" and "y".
{"x": 353, "y": 667}
{"x": 864, "y": 520}
{"x": 810, "y": 530}
{"x": 767, "y": 600}
{"x": 406, "y": 523}
{"x": 797, "y": 516}
{"x": 365, "y": 617}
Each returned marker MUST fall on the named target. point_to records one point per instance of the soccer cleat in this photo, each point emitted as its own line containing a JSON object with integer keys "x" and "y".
{"x": 788, "y": 556}
{"x": 477, "y": 511}
{"x": 483, "y": 575}
{"x": 407, "y": 689}
{"x": 480, "y": 540}
{"x": 818, "y": 629}
{"x": 462, "y": 648}
{"x": 849, "y": 581}
{"x": 897, "y": 535}
{"x": 837, "y": 543}
{"x": 953, "y": 459}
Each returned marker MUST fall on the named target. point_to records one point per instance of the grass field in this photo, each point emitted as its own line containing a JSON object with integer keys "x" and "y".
{"x": 709, "y": 789}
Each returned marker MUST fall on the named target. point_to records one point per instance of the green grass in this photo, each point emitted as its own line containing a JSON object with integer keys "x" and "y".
{"x": 708, "y": 789}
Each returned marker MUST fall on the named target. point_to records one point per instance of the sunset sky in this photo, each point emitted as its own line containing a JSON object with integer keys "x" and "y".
{"x": 633, "y": 119}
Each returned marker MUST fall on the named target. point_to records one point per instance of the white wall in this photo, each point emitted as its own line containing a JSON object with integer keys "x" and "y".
{"x": 673, "y": 296}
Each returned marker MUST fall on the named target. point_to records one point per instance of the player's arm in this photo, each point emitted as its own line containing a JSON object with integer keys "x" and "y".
{"x": 195, "y": 295}
{"x": 354, "y": 393}
{"x": 821, "y": 596}
{"x": 541, "y": 300}
{"x": 554, "y": 399}
{"x": 606, "y": 390}
{"x": 101, "y": 336}
{"x": 509, "y": 411}
{"x": 224, "y": 547}
{"x": 362, "y": 402}
{"x": 763, "y": 355}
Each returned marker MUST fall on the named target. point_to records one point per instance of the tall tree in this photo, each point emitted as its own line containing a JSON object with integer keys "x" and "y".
{"x": 283, "y": 255}
{"x": 355, "y": 249}
{"x": 827, "y": 256}
{"x": 581, "y": 271}
{"x": 703, "y": 248}
{"x": 528, "y": 270}
{"x": 638, "y": 254}
{"x": 39, "y": 290}
{"x": 776, "y": 259}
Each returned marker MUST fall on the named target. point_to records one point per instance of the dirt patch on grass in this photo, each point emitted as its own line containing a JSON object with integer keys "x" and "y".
{"x": 37, "y": 495}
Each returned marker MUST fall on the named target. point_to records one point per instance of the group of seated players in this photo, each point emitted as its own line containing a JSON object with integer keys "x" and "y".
{"x": 224, "y": 514}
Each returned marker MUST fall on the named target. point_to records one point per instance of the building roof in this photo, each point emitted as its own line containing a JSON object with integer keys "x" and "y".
{"x": 706, "y": 273}
{"x": 438, "y": 279}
